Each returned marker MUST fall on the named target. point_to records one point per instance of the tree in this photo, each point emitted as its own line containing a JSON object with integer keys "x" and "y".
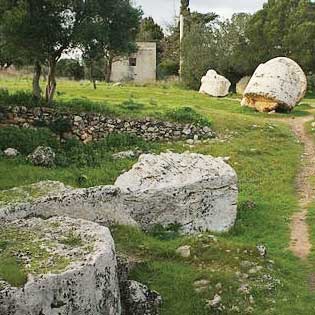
{"x": 283, "y": 28}
{"x": 199, "y": 48}
{"x": 70, "y": 68}
{"x": 101, "y": 39}
{"x": 149, "y": 31}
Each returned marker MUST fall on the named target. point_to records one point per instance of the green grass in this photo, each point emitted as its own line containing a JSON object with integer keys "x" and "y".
{"x": 266, "y": 157}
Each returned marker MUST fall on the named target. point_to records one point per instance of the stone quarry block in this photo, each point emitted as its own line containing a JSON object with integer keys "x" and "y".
{"x": 214, "y": 84}
{"x": 100, "y": 204}
{"x": 196, "y": 191}
{"x": 279, "y": 84}
{"x": 76, "y": 275}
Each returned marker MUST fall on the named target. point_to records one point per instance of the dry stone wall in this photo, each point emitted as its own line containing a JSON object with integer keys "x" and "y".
{"x": 94, "y": 126}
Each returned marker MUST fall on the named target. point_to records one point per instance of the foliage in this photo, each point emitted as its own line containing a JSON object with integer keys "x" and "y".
{"x": 26, "y": 140}
{"x": 70, "y": 68}
{"x": 188, "y": 115}
{"x": 283, "y": 28}
{"x": 167, "y": 68}
{"x": 149, "y": 31}
{"x": 21, "y": 98}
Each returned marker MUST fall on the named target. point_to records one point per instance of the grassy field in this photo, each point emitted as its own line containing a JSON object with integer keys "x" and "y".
{"x": 266, "y": 157}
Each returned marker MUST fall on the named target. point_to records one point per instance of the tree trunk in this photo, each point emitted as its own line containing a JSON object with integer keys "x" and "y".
{"x": 108, "y": 73}
{"x": 92, "y": 79}
{"x": 36, "y": 77}
{"x": 51, "y": 81}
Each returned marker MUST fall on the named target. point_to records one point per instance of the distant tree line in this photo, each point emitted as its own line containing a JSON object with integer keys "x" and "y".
{"x": 40, "y": 32}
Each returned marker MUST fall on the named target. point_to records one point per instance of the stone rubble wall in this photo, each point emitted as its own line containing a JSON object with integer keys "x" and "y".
{"x": 93, "y": 126}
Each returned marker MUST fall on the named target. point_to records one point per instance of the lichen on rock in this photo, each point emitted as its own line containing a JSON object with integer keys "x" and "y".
{"x": 71, "y": 267}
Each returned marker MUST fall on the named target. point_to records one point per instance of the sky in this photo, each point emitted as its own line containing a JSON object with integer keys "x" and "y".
{"x": 163, "y": 11}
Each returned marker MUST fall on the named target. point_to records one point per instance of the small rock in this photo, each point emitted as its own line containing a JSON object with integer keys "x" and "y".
{"x": 43, "y": 156}
{"x": 124, "y": 155}
{"x": 216, "y": 301}
{"x": 11, "y": 153}
{"x": 190, "y": 141}
{"x": 262, "y": 250}
{"x": 184, "y": 251}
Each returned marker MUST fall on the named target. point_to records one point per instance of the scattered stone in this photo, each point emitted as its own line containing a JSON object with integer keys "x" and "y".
{"x": 279, "y": 84}
{"x": 262, "y": 250}
{"x": 214, "y": 84}
{"x": 124, "y": 155}
{"x": 196, "y": 191}
{"x": 184, "y": 251}
{"x": 87, "y": 284}
{"x": 11, "y": 153}
{"x": 43, "y": 156}
{"x": 139, "y": 300}
{"x": 190, "y": 141}
{"x": 215, "y": 302}
{"x": 117, "y": 84}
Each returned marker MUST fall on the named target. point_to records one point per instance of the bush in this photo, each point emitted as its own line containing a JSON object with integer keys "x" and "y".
{"x": 70, "y": 68}
{"x": 187, "y": 115}
{"x": 167, "y": 68}
{"x": 19, "y": 98}
{"x": 26, "y": 140}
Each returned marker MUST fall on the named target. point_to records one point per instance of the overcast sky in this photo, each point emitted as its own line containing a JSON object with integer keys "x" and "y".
{"x": 164, "y": 10}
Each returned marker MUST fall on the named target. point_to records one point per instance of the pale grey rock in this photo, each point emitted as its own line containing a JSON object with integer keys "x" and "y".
{"x": 184, "y": 251}
{"x": 98, "y": 204}
{"x": 11, "y": 152}
{"x": 88, "y": 285}
{"x": 214, "y": 84}
{"x": 138, "y": 299}
{"x": 124, "y": 155}
{"x": 242, "y": 84}
{"x": 43, "y": 156}
{"x": 279, "y": 84}
{"x": 196, "y": 191}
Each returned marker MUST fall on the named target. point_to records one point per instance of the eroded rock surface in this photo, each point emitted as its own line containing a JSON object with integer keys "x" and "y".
{"x": 138, "y": 299}
{"x": 85, "y": 282}
{"x": 196, "y": 191}
{"x": 214, "y": 84}
{"x": 43, "y": 156}
{"x": 279, "y": 84}
{"x": 98, "y": 204}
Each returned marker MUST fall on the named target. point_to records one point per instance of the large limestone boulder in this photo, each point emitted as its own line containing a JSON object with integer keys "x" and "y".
{"x": 242, "y": 84}
{"x": 196, "y": 191}
{"x": 100, "y": 204}
{"x": 71, "y": 266}
{"x": 279, "y": 84}
{"x": 214, "y": 84}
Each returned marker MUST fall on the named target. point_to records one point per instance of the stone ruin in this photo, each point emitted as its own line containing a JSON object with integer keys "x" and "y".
{"x": 214, "y": 84}
{"x": 195, "y": 191}
{"x": 277, "y": 85}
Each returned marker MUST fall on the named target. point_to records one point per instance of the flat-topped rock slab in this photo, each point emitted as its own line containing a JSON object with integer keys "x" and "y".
{"x": 70, "y": 266}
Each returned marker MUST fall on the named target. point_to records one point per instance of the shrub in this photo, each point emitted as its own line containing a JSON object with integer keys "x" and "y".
{"x": 19, "y": 98}
{"x": 26, "y": 140}
{"x": 168, "y": 68}
{"x": 188, "y": 115}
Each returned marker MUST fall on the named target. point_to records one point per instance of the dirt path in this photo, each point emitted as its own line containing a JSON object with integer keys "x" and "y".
{"x": 300, "y": 243}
